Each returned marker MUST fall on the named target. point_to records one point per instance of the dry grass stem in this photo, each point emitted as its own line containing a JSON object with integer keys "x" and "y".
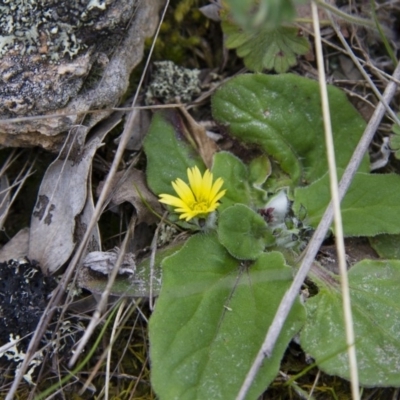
{"x": 335, "y": 200}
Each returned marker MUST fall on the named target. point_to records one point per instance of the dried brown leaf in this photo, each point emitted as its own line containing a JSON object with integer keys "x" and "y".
{"x": 61, "y": 198}
{"x": 17, "y": 247}
{"x": 196, "y": 133}
{"x": 130, "y": 186}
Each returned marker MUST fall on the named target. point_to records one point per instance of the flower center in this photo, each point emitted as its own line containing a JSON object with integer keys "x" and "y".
{"x": 200, "y": 207}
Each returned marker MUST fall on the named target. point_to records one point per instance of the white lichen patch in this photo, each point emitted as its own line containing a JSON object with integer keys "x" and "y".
{"x": 45, "y": 27}
{"x": 172, "y": 83}
{"x": 101, "y": 4}
{"x": 166, "y": 235}
{"x": 12, "y": 352}
{"x": 18, "y": 356}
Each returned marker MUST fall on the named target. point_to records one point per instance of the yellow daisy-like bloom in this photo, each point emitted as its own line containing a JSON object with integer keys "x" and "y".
{"x": 197, "y": 199}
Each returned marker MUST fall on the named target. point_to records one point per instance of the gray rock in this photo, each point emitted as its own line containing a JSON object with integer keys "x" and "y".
{"x": 60, "y": 57}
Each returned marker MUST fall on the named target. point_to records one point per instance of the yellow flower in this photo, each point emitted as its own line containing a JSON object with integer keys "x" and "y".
{"x": 197, "y": 199}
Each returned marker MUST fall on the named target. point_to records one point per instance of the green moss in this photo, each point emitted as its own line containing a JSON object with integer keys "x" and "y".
{"x": 181, "y": 45}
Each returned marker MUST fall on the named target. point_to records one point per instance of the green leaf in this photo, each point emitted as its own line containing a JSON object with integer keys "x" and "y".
{"x": 395, "y": 145}
{"x": 387, "y": 246}
{"x": 375, "y": 298}
{"x": 271, "y": 49}
{"x": 211, "y": 318}
{"x": 395, "y": 127}
{"x": 282, "y": 115}
{"x": 235, "y": 175}
{"x": 370, "y": 207}
{"x": 259, "y": 170}
{"x": 395, "y": 140}
{"x": 168, "y": 153}
{"x": 242, "y": 183}
{"x": 243, "y": 232}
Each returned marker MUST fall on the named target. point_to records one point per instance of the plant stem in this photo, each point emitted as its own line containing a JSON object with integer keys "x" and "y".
{"x": 347, "y": 17}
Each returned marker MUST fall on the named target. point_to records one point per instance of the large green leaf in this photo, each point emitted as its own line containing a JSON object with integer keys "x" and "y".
{"x": 211, "y": 318}
{"x": 375, "y": 297}
{"x": 370, "y": 207}
{"x": 168, "y": 153}
{"x": 282, "y": 115}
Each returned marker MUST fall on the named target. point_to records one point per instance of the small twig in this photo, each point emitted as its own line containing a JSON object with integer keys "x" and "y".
{"x": 19, "y": 181}
{"x": 363, "y": 73}
{"x": 110, "y": 347}
{"x": 153, "y": 259}
{"x": 317, "y": 239}
{"x": 382, "y": 75}
{"x": 100, "y": 360}
{"x": 101, "y": 306}
{"x": 10, "y": 160}
{"x": 382, "y": 35}
{"x": 76, "y": 113}
{"x": 350, "y": 18}
{"x": 314, "y": 384}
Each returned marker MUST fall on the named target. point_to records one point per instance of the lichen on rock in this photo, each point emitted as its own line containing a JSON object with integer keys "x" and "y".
{"x": 172, "y": 83}
{"x": 53, "y": 29}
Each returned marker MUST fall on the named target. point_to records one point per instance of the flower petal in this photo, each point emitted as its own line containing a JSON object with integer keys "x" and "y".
{"x": 183, "y": 191}
{"x": 171, "y": 200}
{"x": 195, "y": 181}
{"x": 219, "y": 195}
{"x": 215, "y": 189}
{"x": 207, "y": 185}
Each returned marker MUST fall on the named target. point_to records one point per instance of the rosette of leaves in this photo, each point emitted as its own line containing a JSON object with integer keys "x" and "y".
{"x": 222, "y": 288}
